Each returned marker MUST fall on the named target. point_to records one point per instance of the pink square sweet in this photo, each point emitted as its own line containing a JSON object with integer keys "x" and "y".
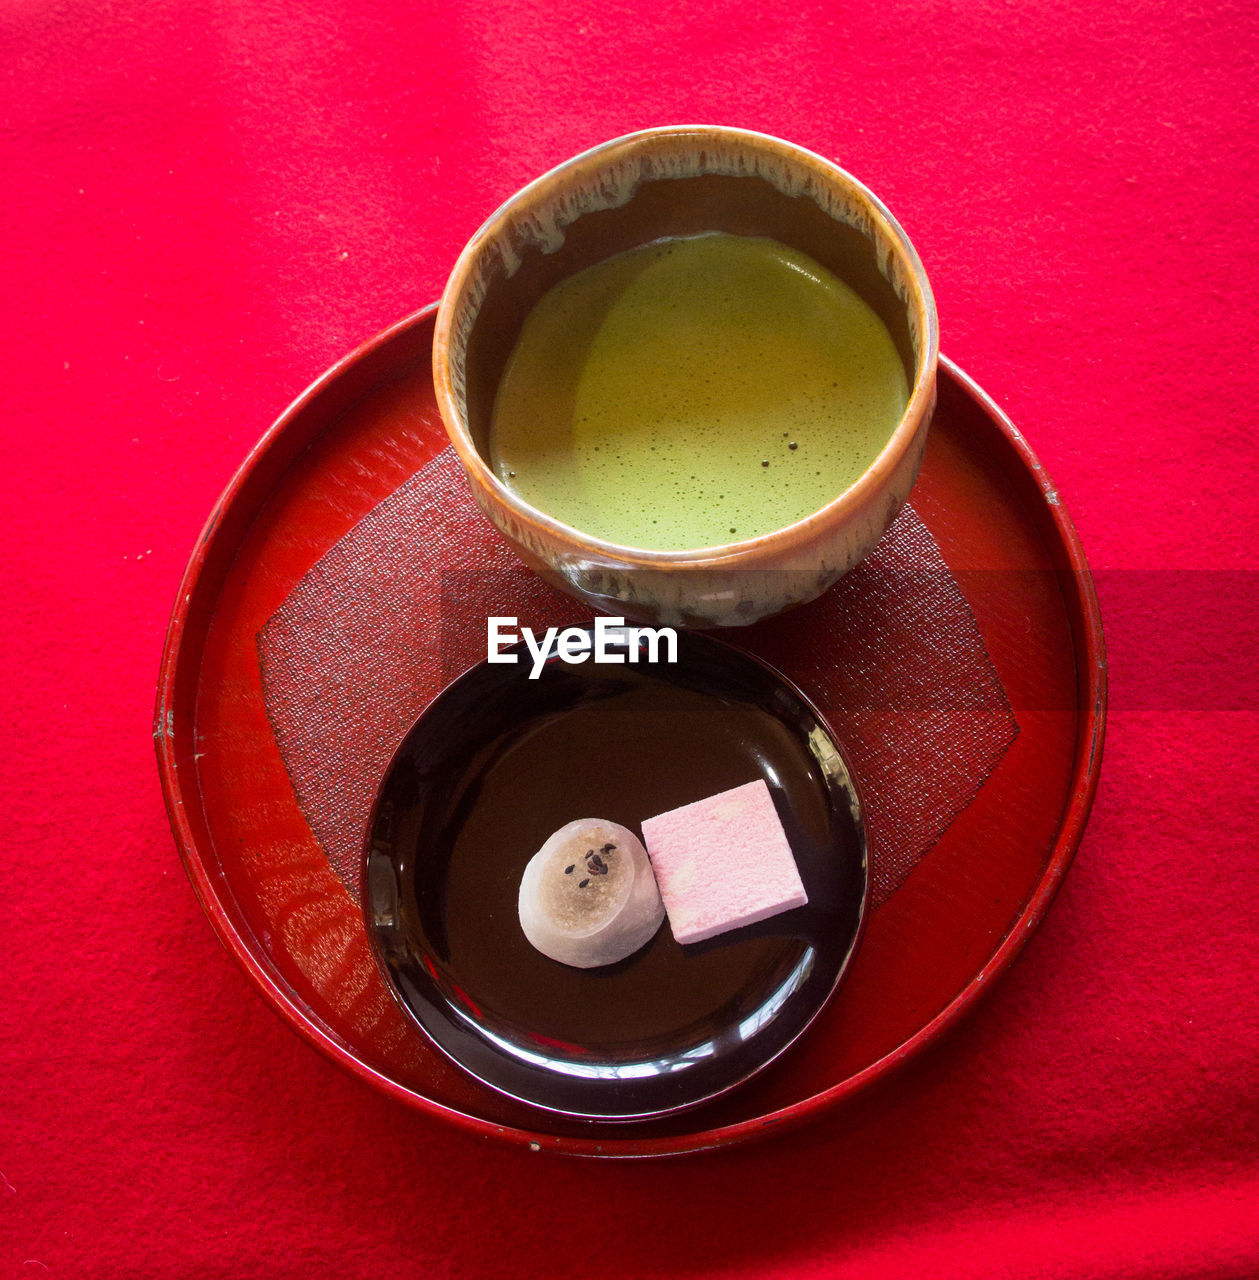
{"x": 723, "y": 862}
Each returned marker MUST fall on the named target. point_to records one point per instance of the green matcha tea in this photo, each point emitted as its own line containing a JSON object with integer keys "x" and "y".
{"x": 693, "y": 392}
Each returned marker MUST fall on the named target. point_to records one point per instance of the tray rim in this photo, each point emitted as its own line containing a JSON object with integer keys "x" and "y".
{"x": 1080, "y": 598}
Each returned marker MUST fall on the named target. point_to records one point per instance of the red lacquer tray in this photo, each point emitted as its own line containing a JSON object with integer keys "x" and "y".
{"x": 941, "y": 939}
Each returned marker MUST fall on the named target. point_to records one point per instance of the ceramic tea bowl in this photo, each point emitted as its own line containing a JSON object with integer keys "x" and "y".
{"x": 672, "y": 182}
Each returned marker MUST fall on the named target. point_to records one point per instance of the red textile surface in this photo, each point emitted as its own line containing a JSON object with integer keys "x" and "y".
{"x": 205, "y": 205}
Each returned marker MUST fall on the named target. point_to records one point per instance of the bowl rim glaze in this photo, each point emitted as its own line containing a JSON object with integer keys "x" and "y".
{"x": 763, "y": 548}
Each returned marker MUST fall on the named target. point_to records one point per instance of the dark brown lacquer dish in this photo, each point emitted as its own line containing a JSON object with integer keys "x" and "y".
{"x": 496, "y": 764}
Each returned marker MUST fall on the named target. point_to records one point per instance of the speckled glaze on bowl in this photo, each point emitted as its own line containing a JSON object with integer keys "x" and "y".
{"x": 677, "y": 181}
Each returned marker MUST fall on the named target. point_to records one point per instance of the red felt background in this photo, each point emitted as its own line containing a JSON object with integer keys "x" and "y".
{"x": 205, "y": 204}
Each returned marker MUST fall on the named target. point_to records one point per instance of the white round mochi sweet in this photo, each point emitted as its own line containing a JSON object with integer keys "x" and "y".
{"x": 588, "y": 896}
